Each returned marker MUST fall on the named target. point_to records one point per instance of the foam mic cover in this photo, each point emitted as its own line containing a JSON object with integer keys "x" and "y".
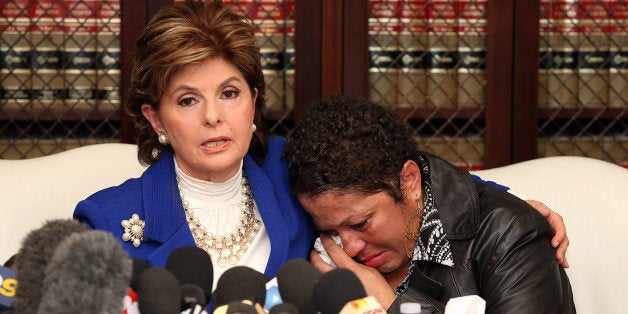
{"x": 296, "y": 279}
{"x": 158, "y": 292}
{"x": 139, "y": 266}
{"x": 284, "y": 308}
{"x": 192, "y": 265}
{"x": 336, "y": 288}
{"x": 240, "y": 283}
{"x": 32, "y": 258}
{"x": 192, "y": 296}
{"x": 240, "y": 307}
{"x": 89, "y": 272}
{"x": 130, "y": 305}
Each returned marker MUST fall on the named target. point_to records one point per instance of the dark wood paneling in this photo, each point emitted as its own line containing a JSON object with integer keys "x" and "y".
{"x": 355, "y": 46}
{"x": 525, "y": 80}
{"x": 499, "y": 87}
{"x": 308, "y": 54}
{"x": 332, "y": 66}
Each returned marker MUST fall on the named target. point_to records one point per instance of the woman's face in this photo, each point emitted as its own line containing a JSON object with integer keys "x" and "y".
{"x": 207, "y": 114}
{"x": 371, "y": 227}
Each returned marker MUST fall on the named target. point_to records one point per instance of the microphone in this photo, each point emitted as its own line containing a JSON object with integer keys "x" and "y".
{"x": 8, "y": 286}
{"x": 130, "y": 299}
{"x": 240, "y": 307}
{"x": 193, "y": 299}
{"x": 340, "y": 291}
{"x": 32, "y": 258}
{"x": 89, "y": 272}
{"x": 192, "y": 266}
{"x": 240, "y": 283}
{"x": 158, "y": 292}
{"x": 284, "y": 308}
{"x": 296, "y": 279}
{"x": 273, "y": 297}
{"x": 139, "y": 266}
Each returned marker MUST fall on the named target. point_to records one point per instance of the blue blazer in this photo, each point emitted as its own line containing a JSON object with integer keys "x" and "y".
{"x": 155, "y": 198}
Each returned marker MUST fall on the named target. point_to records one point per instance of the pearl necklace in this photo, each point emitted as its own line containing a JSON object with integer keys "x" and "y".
{"x": 227, "y": 249}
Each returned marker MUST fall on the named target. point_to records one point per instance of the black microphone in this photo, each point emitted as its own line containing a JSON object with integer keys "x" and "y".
{"x": 240, "y": 283}
{"x": 89, "y": 272}
{"x": 193, "y": 299}
{"x": 33, "y": 257}
{"x": 335, "y": 289}
{"x": 284, "y": 308}
{"x": 158, "y": 292}
{"x": 130, "y": 305}
{"x": 240, "y": 307}
{"x": 296, "y": 279}
{"x": 139, "y": 266}
{"x": 192, "y": 266}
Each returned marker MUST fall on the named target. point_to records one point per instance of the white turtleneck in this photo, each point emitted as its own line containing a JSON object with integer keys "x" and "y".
{"x": 217, "y": 207}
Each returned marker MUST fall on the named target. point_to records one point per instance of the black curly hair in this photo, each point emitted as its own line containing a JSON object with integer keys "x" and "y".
{"x": 349, "y": 144}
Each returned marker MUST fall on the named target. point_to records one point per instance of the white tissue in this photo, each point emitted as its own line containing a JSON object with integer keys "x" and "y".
{"x": 318, "y": 246}
{"x": 470, "y": 304}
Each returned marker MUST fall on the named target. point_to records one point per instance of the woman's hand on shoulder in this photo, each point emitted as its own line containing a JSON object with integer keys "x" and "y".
{"x": 560, "y": 240}
{"x": 372, "y": 280}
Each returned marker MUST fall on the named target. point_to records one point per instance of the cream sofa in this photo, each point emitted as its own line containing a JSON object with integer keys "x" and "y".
{"x": 35, "y": 190}
{"x": 591, "y": 195}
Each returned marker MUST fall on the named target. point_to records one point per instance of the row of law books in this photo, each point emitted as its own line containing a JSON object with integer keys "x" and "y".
{"x": 431, "y": 54}
{"x": 274, "y": 31}
{"x": 584, "y": 54}
{"x": 60, "y": 56}
{"x": 428, "y": 54}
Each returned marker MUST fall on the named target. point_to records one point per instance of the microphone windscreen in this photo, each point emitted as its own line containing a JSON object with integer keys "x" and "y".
{"x": 284, "y": 308}
{"x": 31, "y": 260}
{"x": 336, "y": 288}
{"x": 158, "y": 292}
{"x": 240, "y": 283}
{"x": 240, "y": 307}
{"x": 89, "y": 272}
{"x": 139, "y": 266}
{"x": 296, "y": 279}
{"x": 191, "y": 264}
{"x": 191, "y": 296}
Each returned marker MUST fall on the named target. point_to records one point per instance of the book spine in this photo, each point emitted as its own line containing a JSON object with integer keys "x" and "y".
{"x": 107, "y": 63}
{"x": 413, "y": 53}
{"x": 289, "y": 54}
{"x": 472, "y": 53}
{"x": 618, "y": 54}
{"x": 47, "y": 58}
{"x": 384, "y": 26}
{"x": 15, "y": 69}
{"x": 563, "y": 43}
{"x": 442, "y": 82}
{"x": 544, "y": 53}
{"x": 593, "y": 53}
{"x": 269, "y": 18}
{"x": 80, "y": 51}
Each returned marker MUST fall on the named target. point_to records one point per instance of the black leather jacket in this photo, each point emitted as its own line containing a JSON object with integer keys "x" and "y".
{"x": 501, "y": 250}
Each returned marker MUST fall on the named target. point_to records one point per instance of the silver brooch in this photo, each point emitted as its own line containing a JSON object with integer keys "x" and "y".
{"x": 133, "y": 230}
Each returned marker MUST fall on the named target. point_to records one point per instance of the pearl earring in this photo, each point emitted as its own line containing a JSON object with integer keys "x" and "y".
{"x": 162, "y": 138}
{"x": 254, "y": 127}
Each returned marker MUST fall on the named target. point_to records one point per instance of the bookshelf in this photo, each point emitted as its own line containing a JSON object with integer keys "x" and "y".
{"x": 512, "y": 123}
{"x": 500, "y": 52}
